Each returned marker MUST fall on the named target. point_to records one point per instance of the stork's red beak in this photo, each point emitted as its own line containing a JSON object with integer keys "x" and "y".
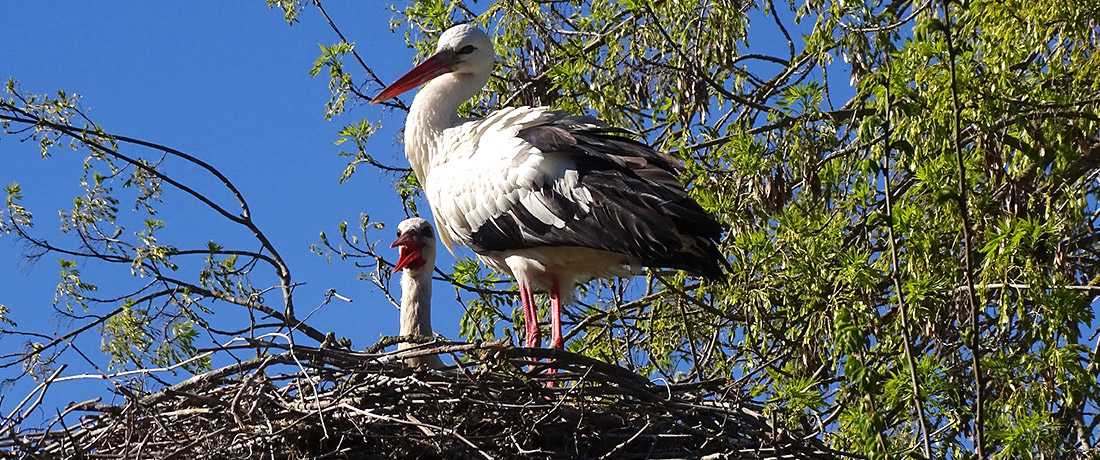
{"x": 410, "y": 256}
{"x": 436, "y": 65}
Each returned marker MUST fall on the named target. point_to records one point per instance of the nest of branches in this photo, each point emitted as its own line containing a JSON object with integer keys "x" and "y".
{"x": 294, "y": 402}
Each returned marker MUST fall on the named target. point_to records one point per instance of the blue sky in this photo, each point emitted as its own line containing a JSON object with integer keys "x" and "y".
{"x": 227, "y": 82}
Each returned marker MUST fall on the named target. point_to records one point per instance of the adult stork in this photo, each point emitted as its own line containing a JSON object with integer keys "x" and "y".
{"x": 417, "y": 257}
{"x": 550, "y": 198}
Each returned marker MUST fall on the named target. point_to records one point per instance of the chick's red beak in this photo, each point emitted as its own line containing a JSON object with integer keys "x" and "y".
{"x": 410, "y": 256}
{"x": 436, "y": 65}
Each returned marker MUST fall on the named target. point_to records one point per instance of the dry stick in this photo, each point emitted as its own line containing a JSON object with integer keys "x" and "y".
{"x": 65, "y": 429}
{"x": 428, "y": 430}
{"x": 58, "y": 420}
{"x": 196, "y": 441}
{"x": 895, "y": 275}
{"x": 619, "y": 447}
{"x": 12, "y": 419}
{"x": 975, "y": 353}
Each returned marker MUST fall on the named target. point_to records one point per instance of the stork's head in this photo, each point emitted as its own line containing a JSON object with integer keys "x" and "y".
{"x": 417, "y": 242}
{"x": 464, "y": 50}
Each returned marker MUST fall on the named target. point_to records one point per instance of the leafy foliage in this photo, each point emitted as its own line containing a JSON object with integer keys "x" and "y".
{"x": 910, "y": 194}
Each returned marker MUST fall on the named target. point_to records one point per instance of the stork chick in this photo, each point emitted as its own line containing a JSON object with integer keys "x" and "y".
{"x": 416, "y": 241}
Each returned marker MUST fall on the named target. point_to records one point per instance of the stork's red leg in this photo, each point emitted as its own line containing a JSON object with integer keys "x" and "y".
{"x": 530, "y": 316}
{"x": 556, "y": 340}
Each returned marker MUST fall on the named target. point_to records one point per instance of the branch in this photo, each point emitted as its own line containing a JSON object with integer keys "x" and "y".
{"x": 895, "y": 275}
{"x": 249, "y": 303}
{"x": 975, "y": 351}
{"x": 245, "y": 219}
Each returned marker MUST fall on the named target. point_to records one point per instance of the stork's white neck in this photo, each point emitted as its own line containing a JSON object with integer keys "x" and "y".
{"x": 435, "y": 109}
{"x": 416, "y": 301}
{"x": 416, "y": 311}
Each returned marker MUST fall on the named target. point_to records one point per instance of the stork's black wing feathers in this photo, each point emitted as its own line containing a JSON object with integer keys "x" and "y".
{"x": 626, "y": 199}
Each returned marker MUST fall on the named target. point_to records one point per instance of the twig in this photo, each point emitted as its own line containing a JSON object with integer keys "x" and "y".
{"x": 624, "y": 443}
{"x": 11, "y": 420}
{"x": 974, "y": 343}
{"x": 895, "y": 274}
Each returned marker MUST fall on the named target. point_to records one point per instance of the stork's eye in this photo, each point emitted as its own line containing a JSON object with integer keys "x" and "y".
{"x": 467, "y": 49}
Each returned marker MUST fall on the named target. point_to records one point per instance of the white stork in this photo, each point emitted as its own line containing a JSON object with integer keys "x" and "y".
{"x": 550, "y": 198}
{"x": 417, "y": 257}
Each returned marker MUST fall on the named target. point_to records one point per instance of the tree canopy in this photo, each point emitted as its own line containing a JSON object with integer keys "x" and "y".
{"x": 910, "y": 193}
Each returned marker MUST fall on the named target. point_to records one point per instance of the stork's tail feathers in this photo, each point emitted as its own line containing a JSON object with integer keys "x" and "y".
{"x": 699, "y": 256}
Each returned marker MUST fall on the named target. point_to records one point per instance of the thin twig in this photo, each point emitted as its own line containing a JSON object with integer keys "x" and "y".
{"x": 895, "y": 274}
{"x": 968, "y": 264}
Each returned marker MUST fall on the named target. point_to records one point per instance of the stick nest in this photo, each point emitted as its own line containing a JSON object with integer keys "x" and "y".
{"x": 298, "y": 402}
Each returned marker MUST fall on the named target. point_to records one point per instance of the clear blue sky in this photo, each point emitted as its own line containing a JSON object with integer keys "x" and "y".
{"x": 227, "y": 82}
